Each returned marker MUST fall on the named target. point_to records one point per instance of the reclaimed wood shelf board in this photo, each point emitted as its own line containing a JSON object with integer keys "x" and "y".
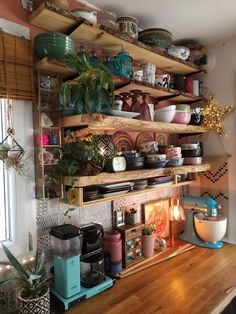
{"x": 112, "y": 123}
{"x": 104, "y": 38}
{"x": 136, "y": 192}
{"x": 105, "y": 177}
{"x": 54, "y": 66}
{"x": 53, "y": 18}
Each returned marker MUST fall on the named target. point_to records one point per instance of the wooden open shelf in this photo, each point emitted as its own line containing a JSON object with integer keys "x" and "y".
{"x": 80, "y": 201}
{"x": 51, "y": 18}
{"x": 159, "y": 92}
{"x": 104, "y": 38}
{"x": 113, "y": 123}
{"x": 54, "y": 66}
{"x": 105, "y": 177}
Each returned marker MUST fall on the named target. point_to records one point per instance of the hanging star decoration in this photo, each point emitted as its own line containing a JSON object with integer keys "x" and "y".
{"x": 214, "y": 115}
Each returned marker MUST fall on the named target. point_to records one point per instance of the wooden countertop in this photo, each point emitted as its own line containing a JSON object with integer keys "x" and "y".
{"x": 198, "y": 281}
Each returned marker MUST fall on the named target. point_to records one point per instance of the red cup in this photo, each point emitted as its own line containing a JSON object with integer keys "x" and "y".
{"x": 188, "y": 85}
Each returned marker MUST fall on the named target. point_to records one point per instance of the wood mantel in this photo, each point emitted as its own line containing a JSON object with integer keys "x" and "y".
{"x": 196, "y": 282}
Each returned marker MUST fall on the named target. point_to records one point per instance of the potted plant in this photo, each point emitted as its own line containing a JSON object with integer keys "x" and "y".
{"x": 33, "y": 296}
{"x": 80, "y": 156}
{"x": 93, "y": 91}
{"x": 148, "y": 239}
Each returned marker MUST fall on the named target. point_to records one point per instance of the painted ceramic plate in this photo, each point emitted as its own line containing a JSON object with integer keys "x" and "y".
{"x": 143, "y": 137}
{"x": 123, "y": 141}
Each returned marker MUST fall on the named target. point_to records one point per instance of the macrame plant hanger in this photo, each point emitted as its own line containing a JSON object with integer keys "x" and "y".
{"x": 9, "y": 145}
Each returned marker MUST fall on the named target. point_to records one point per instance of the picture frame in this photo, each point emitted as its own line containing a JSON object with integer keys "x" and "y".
{"x": 158, "y": 212}
{"x": 118, "y": 217}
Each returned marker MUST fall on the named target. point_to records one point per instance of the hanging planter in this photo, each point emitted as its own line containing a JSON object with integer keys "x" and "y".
{"x": 11, "y": 153}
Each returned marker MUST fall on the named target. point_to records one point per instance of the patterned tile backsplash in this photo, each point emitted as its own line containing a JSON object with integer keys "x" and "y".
{"x": 51, "y": 213}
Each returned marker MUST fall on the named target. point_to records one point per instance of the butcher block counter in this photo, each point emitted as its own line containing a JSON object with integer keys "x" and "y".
{"x": 198, "y": 281}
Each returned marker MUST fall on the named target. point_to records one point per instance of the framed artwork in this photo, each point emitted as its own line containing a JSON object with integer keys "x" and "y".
{"x": 158, "y": 212}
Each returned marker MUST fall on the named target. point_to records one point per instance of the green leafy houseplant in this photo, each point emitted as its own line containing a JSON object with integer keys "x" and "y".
{"x": 148, "y": 229}
{"x": 33, "y": 281}
{"x": 80, "y": 156}
{"x": 94, "y": 90}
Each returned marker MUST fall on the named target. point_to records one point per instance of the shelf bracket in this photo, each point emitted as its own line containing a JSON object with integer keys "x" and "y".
{"x": 160, "y": 98}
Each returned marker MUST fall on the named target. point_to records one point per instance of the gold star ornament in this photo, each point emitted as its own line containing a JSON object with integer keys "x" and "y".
{"x": 214, "y": 115}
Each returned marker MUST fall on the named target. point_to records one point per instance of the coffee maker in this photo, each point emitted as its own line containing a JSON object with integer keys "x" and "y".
{"x": 78, "y": 264}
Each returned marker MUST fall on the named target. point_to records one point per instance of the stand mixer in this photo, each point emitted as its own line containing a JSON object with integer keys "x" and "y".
{"x": 204, "y": 227}
{"x": 67, "y": 242}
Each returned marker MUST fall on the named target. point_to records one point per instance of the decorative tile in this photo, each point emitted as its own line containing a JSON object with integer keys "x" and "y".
{"x": 41, "y": 208}
{"x": 44, "y": 224}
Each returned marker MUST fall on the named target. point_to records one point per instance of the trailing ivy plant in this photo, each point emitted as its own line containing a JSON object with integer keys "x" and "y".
{"x": 94, "y": 90}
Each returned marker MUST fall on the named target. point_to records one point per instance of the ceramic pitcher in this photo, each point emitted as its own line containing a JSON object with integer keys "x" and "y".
{"x": 122, "y": 64}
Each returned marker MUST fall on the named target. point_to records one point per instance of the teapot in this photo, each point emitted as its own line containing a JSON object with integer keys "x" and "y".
{"x": 90, "y": 16}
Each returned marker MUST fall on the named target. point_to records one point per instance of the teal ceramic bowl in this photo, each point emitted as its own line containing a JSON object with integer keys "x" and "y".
{"x": 156, "y": 37}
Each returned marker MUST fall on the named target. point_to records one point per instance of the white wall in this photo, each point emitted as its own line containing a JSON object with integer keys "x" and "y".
{"x": 221, "y": 80}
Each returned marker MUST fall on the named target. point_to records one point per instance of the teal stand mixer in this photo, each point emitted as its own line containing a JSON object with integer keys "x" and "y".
{"x": 203, "y": 227}
{"x": 67, "y": 242}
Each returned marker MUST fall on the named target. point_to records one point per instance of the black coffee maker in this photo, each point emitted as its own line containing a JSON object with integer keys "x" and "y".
{"x": 92, "y": 258}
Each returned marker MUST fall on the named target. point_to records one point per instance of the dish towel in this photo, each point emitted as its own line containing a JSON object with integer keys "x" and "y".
{"x": 215, "y": 182}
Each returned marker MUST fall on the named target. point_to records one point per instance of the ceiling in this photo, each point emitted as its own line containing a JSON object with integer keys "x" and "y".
{"x": 207, "y": 21}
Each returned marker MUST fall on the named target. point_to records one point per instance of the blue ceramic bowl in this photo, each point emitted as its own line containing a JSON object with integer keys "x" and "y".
{"x": 156, "y": 37}
{"x": 175, "y": 162}
{"x": 156, "y": 164}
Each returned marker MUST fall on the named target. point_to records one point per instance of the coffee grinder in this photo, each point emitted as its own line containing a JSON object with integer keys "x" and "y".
{"x": 67, "y": 243}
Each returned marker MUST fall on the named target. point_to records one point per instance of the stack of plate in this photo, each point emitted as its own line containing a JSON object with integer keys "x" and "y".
{"x": 158, "y": 181}
{"x": 156, "y": 164}
{"x": 53, "y": 45}
{"x": 110, "y": 190}
{"x": 91, "y": 193}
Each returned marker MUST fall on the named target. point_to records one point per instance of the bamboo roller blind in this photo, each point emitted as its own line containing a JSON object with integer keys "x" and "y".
{"x": 16, "y": 67}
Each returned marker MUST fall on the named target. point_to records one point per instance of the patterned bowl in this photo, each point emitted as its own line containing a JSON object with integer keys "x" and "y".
{"x": 156, "y": 164}
{"x": 164, "y": 115}
{"x": 156, "y": 37}
{"x": 175, "y": 162}
{"x": 179, "y": 52}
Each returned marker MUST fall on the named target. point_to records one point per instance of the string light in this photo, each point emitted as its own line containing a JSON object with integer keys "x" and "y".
{"x": 24, "y": 262}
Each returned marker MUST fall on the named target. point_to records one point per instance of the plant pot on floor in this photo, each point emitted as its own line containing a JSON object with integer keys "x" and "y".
{"x": 40, "y": 305}
{"x": 148, "y": 244}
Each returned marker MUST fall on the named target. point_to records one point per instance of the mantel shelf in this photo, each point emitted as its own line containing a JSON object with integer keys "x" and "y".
{"x": 49, "y": 17}
{"x": 112, "y": 123}
{"x": 104, "y": 177}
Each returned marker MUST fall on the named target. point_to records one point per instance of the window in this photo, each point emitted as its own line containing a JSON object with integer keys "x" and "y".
{"x": 17, "y": 198}
{"x": 5, "y": 178}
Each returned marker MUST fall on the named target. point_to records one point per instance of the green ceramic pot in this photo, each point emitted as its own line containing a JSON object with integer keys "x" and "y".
{"x": 57, "y": 51}
{"x": 156, "y": 37}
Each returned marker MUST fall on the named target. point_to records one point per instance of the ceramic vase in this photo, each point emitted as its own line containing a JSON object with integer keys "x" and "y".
{"x": 40, "y": 305}
{"x": 148, "y": 244}
{"x": 127, "y": 26}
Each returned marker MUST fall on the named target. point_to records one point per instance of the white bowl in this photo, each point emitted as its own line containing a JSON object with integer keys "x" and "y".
{"x": 212, "y": 229}
{"x": 192, "y": 160}
{"x": 179, "y": 52}
{"x": 171, "y": 107}
{"x": 164, "y": 115}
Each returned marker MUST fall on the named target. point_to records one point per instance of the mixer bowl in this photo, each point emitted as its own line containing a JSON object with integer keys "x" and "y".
{"x": 211, "y": 229}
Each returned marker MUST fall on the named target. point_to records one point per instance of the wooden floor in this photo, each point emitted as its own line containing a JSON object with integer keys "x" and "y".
{"x": 195, "y": 282}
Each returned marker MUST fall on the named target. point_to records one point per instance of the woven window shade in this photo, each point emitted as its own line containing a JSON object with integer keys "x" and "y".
{"x": 16, "y": 67}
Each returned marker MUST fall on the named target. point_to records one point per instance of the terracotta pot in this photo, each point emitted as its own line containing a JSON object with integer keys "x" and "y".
{"x": 148, "y": 245}
{"x": 40, "y": 305}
